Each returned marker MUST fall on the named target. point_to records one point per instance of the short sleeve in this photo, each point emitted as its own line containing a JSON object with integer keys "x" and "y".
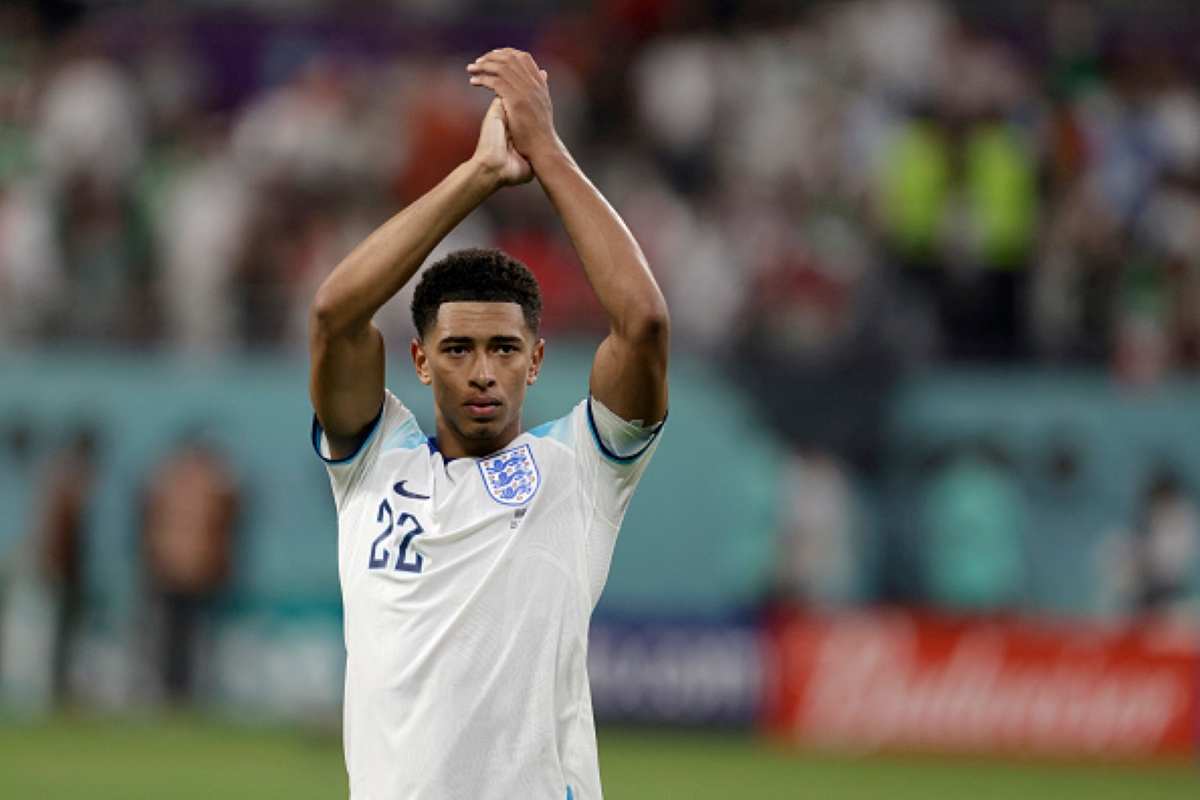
{"x": 616, "y": 437}
{"x": 606, "y": 478}
{"x": 394, "y": 419}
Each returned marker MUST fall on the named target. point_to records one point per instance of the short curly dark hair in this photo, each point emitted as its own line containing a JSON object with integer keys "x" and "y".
{"x": 476, "y": 275}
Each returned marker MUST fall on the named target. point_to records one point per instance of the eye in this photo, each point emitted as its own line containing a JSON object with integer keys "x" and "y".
{"x": 506, "y": 349}
{"x": 455, "y": 350}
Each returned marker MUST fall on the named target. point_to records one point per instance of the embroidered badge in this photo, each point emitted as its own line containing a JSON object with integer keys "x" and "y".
{"x": 511, "y": 477}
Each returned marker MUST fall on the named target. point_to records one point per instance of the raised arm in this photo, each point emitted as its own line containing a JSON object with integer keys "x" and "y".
{"x": 346, "y": 381}
{"x": 629, "y": 374}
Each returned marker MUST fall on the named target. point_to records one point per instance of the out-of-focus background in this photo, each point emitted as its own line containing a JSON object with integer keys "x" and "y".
{"x": 931, "y": 483}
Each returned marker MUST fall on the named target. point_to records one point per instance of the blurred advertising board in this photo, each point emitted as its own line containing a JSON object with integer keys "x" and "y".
{"x": 914, "y": 682}
{"x": 675, "y": 674}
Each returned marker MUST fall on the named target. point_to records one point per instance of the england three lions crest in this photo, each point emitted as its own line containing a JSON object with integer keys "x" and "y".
{"x": 511, "y": 477}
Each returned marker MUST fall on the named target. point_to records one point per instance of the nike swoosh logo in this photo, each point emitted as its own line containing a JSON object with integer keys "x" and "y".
{"x": 400, "y": 490}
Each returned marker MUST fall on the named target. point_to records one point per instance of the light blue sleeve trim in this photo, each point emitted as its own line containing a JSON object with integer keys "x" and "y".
{"x": 559, "y": 430}
{"x": 408, "y": 436}
{"x": 318, "y": 432}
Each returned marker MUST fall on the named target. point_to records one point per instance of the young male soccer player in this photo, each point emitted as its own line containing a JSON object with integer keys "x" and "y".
{"x": 470, "y": 561}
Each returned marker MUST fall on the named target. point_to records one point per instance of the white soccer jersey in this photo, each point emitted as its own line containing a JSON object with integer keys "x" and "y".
{"x": 468, "y": 586}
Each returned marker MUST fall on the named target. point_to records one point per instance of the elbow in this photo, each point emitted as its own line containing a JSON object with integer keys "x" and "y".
{"x": 325, "y": 318}
{"x": 648, "y": 324}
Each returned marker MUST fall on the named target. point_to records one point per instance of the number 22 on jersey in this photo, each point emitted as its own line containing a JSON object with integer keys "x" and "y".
{"x": 400, "y": 531}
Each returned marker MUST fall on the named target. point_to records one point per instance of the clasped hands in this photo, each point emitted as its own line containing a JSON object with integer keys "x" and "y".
{"x": 518, "y": 129}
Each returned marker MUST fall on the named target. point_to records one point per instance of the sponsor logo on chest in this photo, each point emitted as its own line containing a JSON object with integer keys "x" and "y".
{"x": 511, "y": 477}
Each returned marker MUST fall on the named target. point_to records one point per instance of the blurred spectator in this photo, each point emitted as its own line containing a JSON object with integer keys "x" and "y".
{"x": 1166, "y": 543}
{"x": 960, "y": 205}
{"x": 1075, "y": 292}
{"x": 174, "y": 82}
{"x": 90, "y": 118}
{"x": 303, "y": 133}
{"x": 105, "y": 265}
{"x": 268, "y": 264}
{"x": 973, "y": 518}
{"x": 1071, "y": 510}
{"x": 692, "y": 253}
{"x": 200, "y": 226}
{"x": 192, "y": 505}
{"x": 438, "y": 112}
{"x": 677, "y": 84}
{"x": 61, "y": 541}
{"x": 822, "y": 559}
{"x": 1151, "y": 566}
{"x": 29, "y": 277}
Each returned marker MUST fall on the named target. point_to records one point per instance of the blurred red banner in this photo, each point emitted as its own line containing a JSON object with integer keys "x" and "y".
{"x": 903, "y": 681}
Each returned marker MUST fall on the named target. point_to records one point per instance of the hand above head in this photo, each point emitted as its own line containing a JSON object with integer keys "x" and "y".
{"x": 495, "y": 149}
{"x": 629, "y": 372}
{"x": 522, "y": 88}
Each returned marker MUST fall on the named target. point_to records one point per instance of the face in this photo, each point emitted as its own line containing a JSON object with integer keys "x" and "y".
{"x": 479, "y": 359}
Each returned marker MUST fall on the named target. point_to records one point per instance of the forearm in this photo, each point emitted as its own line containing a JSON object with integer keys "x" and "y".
{"x": 388, "y": 259}
{"x": 346, "y": 380}
{"x": 629, "y": 373}
{"x": 612, "y": 259}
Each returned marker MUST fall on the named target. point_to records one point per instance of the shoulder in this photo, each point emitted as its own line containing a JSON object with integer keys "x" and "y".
{"x": 399, "y": 429}
{"x": 394, "y": 429}
{"x": 593, "y": 429}
{"x": 564, "y": 430}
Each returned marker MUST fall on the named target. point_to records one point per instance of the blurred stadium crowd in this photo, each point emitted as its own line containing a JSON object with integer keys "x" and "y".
{"x": 832, "y": 195}
{"x": 820, "y": 180}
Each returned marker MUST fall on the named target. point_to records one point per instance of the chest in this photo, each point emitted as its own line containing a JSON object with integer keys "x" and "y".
{"x": 426, "y": 527}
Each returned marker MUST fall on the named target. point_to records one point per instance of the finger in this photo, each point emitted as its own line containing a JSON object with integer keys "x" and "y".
{"x": 486, "y": 80}
{"x": 520, "y": 62}
{"x": 501, "y": 110}
{"x": 501, "y": 52}
{"x": 497, "y": 83}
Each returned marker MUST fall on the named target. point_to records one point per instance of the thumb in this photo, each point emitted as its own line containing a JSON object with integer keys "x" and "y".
{"x": 496, "y": 109}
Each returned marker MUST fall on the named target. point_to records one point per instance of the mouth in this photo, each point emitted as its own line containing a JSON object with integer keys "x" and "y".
{"x": 482, "y": 407}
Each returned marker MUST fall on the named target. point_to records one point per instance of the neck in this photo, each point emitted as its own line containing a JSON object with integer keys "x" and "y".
{"x": 451, "y": 444}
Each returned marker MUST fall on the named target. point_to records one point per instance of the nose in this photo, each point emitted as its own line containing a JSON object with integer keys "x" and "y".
{"x": 481, "y": 372}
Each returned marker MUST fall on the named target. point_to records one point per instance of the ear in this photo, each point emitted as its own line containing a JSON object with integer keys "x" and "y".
{"x": 421, "y": 362}
{"x": 535, "y": 366}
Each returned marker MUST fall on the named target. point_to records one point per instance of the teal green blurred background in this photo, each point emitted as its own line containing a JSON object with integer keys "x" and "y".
{"x": 700, "y": 545}
{"x": 697, "y": 544}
